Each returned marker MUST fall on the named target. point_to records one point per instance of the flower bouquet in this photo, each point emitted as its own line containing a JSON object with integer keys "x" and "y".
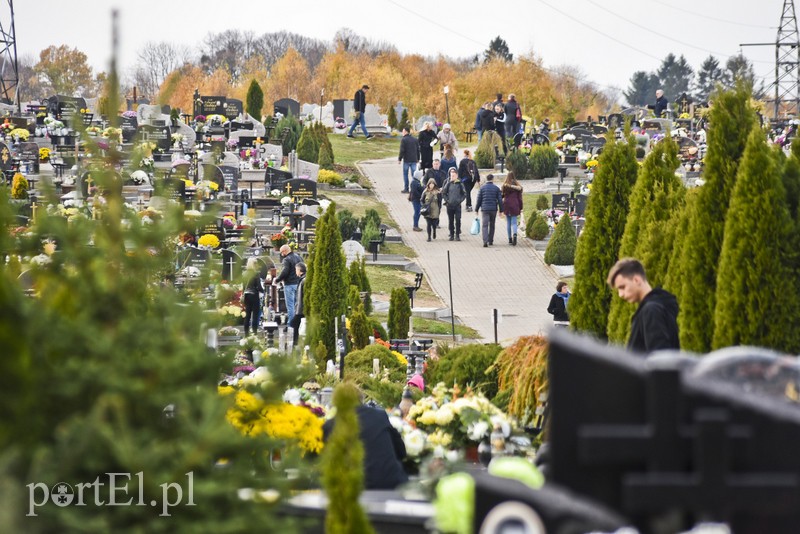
{"x": 278, "y": 240}
{"x": 208, "y": 242}
{"x": 113, "y": 134}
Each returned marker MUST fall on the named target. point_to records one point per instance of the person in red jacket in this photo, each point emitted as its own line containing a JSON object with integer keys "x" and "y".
{"x": 512, "y": 205}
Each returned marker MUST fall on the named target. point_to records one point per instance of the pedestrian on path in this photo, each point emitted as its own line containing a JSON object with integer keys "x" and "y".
{"x": 447, "y": 137}
{"x": 512, "y": 205}
{"x": 448, "y": 160}
{"x": 469, "y": 175}
{"x": 431, "y": 200}
{"x": 409, "y": 156}
{"x": 359, "y": 108}
{"x": 453, "y": 195}
{"x": 490, "y": 200}
{"x": 427, "y": 139}
{"x": 299, "y": 310}
{"x": 558, "y": 305}
{"x": 513, "y": 117}
{"x": 415, "y": 197}
{"x": 500, "y": 125}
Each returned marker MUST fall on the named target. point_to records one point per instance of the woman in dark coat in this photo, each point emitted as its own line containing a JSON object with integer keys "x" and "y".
{"x": 558, "y": 304}
{"x": 512, "y": 205}
{"x": 251, "y": 294}
{"x": 500, "y": 125}
{"x": 426, "y": 137}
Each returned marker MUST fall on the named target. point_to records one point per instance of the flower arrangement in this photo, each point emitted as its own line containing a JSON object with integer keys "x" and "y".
{"x": 93, "y": 130}
{"x": 177, "y": 138}
{"x": 232, "y": 143}
{"x": 208, "y": 241}
{"x": 285, "y": 201}
{"x": 278, "y": 240}
{"x": 275, "y": 193}
{"x": 231, "y": 311}
{"x": 229, "y": 220}
{"x": 129, "y": 114}
{"x": 6, "y": 127}
{"x": 112, "y": 134}
{"x": 228, "y": 331}
{"x": 44, "y": 153}
{"x": 200, "y": 118}
{"x": 206, "y": 187}
{"x": 251, "y": 343}
{"x": 216, "y": 119}
{"x": 20, "y": 133}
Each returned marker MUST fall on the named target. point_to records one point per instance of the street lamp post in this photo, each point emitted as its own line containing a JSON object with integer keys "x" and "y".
{"x": 446, "y": 103}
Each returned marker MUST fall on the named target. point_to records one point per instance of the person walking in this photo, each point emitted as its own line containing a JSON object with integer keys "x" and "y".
{"x": 409, "y": 156}
{"x": 513, "y": 118}
{"x": 512, "y": 205}
{"x": 300, "y": 270}
{"x": 453, "y": 195}
{"x": 469, "y": 175}
{"x": 427, "y": 139}
{"x": 415, "y": 197}
{"x": 431, "y": 200}
{"x": 654, "y": 326}
{"x": 500, "y": 125}
{"x": 359, "y": 108}
{"x": 558, "y": 305}
{"x": 289, "y": 278}
{"x": 447, "y": 137}
{"x": 252, "y": 290}
{"x": 448, "y": 160}
{"x": 490, "y": 200}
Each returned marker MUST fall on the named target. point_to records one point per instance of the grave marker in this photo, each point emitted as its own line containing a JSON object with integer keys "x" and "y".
{"x": 233, "y": 108}
{"x": 160, "y": 135}
{"x": 300, "y": 188}
{"x": 175, "y": 188}
{"x": 128, "y": 125}
{"x": 307, "y": 169}
{"x": 212, "y": 173}
{"x": 560, "y": 201}
{"x": 231, "y": 265}
{"x": 286, "y": 106}
{"x": 580, "y": 205}
{"x": 230, "y": 177}
{"x": 269, "y": 150}
{"x": 212, "y": 105}
{"x": 353, "y": 251}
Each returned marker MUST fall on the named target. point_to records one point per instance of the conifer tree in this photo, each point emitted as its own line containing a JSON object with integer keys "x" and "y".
{"x": 757, "y": 302}
{"x": 360, "y": 329}
{"x": 598, "y": 246}
{"x": 329, "y": 284}
{"x": 658, "y": 193}
{"x": 733, "y": 119}
{"x": 325, "y": 158}
{"x": 679, "y": 227}
{"x": 342, "y": 467}
{"x": 399, "y": 313}
{"x": 392, "y": 118}
{"x": 255, "y": 100}
{"x": 404, "y": 123}
{"x": 561, "y": 248}
{"x": 308, "y": 145}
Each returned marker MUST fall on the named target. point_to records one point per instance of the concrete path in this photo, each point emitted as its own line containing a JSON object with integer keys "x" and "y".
{"x": 514, "y": 280}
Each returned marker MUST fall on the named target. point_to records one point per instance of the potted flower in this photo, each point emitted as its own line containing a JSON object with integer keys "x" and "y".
{"x": 278, "y": 240}
{"x": 208, "y": 242}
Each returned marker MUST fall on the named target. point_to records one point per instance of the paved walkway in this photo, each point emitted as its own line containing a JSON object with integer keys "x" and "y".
{"x": 514, "y": 280}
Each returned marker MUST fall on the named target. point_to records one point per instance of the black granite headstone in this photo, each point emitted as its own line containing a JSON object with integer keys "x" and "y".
{"x": 246, "y": 141}
{"x": 212, "y": 105}
{"x": 287, "y": 106}
{"x": 213, "y": 173}
{"x": 233, "y": 108}
{"x": 175, "y": 187}
{"x": 180, "y": 171}
{"x": 300, "y": 188}
{"x": 275, "y": 177}
{"x": 231, "y": 265}
{"x": 160, "y": 135}
{"x": 230, "y": 177}
{"x": 236, "y": 126}
{"x": 128, "y": 125}
{"x": 580, "y": 205}
{"x": 560, "y": 201}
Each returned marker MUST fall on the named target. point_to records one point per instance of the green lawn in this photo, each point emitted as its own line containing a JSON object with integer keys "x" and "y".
{"x": 359, "y": 204}
{"x": 350, "y": 151}
{"x": 424, "y": 326}
{"x": 383, "y": 280}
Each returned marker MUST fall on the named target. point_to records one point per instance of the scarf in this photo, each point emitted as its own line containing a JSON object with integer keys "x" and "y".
{"x": 564, "y": 297}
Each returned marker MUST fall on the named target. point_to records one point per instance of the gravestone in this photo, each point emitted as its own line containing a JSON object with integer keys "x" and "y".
{"x": 307, "y": 169}
{"x": 308, "y": 221}
{"x": 300, "y": 188}
{"x": 276, "y": 177}
{"x": 286, "y": 106}
{"x": 160, "y": 135}
{"x": 687, "y": 148}
{"x": 236, "y": 126}
{"x": 560, "y": 201}
{"x": 213, "y": 228}
{"x": 212, "y": 105}
{"x": 339, "y": 109}
{"x": 540, "y": 139}
{"x": 268, "y": 150}
{"x": 230, "y": 176}
{"x": 353, "y": 251}
{"x": 420, "y": 124}
{"x": 194, "y": 257}
{"x": 580, "y": 205}
{"x": 245, "y": 138}
{"x": 684, "y": 103}
{"x": 212, "y": 173}
{"x": 180, "y": 170}
{"x": 231, "y": 265}
{"x": 233, "y": 108}
{"x": 657, "y": 126}
{"x": 128, "y": 125}
{"x": 175, "y": 187}
{"x": 373, "y": 117}
{"x": 29, "y": 153}
{"x": 63, "y": 107}
{"x": 6, "y": 161}
{"x": 599, "y": 129}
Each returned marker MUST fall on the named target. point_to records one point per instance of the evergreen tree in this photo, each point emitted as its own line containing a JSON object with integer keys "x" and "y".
{"x": 255, "y": 100}
{"x": 360, "y": 329}
{"x": 598, "y": 247}
{"x": 791, "y": 182}
{"x": 326, "y": 157}
{"x": 498, "y": 49}
{"x": 399, "y": 313}
{"x": 358, "y": 277}
{"x": 656, "y": 196}
{"x": 308, "y": 145}
{"x": 392, "y": 118}
{"x": 642, "y": 88}
{"x": 679, "y": 227}
{"x": 709, "y": 75}
{"x": 353, "y": 298}
{"x": 675, "y": 76}
{"x": 738, "y": 70}
{"x": 328, "y": 292}
{"x": 757, "y": 301}
{"x": 295, "y": 130}
{"x": 343, "y": 467}
{"x": 404, "y": 122}
{"x": 486, "y": 153}
{"x": 561, "y": 248}
{"x": 733, "y": 119}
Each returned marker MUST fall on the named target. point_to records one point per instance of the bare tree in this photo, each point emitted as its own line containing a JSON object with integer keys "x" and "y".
{"x": 357, "y": 44}
{"x": 155, "y": 62}
{"x": 229, "y": 51}
{"x": 273, "y": 46}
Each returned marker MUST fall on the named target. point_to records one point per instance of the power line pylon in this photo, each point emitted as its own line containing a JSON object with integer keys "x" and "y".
{"x": 9, "y": 69}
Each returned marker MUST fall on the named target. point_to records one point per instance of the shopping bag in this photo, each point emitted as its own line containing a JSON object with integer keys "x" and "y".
{"x": 476, "y": 227}
{"x": 521, "y": 224}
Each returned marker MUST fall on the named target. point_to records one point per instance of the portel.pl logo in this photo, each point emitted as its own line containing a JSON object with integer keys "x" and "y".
{"x": 114, "y": 492}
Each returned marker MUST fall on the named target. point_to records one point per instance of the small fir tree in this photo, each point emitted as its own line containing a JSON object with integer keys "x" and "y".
{"x": 295, "y": 129}
{"x": 392, "y": 118}
{"x": 543, "y": 162}
{"x": 363, "y": 282}
{"x": 399, "y": 313}
{"x": 598, "y": 248}
{"x": 404, "y": 123}
{"x": 518, "y": 163}
{"x": 679, "y": 224}
{"x": 325, "y": 157}
{"x": 353, "y": 298}
{"x": 733, "y": 118}
{"x": 343, "y": 467}
{"x": 756, "y": 301}
{"x": 360, "y": 328}
{"x": 561, "y": 248}
{"x": 308, "y": 145}
{"x": 485, "y": 154}
{"x": 254, "y": 99}
{"x": 542, "y": 202}
{"x": 536, "y": 227}
{"x": 369, "y": 233}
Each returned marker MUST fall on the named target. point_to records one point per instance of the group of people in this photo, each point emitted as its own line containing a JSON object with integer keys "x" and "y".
{"x": 505, "y": 118}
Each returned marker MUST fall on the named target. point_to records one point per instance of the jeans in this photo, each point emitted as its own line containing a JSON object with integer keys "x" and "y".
{"x": 454, "y": 220}
{"x": 487, "y": 226}
{"x": 290, "y": 294}
{"x": 362, "y": 121}
{"x": 417, "y": 206}
{"x": 511, "y": 225}
{"x": 408, "y": 171}
{"x": 468, "y": 185}
{"x": 252, "y": 312}
{"x": 480, "y": 134}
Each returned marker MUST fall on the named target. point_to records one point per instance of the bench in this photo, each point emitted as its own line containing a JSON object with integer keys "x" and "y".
{"x": 469, "y": 133}
{"x": 413, "y": 289}
{"x": 375, "y": 244}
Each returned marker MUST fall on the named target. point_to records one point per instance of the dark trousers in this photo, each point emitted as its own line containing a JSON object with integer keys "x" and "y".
{"x": 295, "y": 324}
{"x": 454, "y": 220}
{"x": 487, "y": 226}
{"x": 468, "y": 186}
{"x": 431, "y": 226}
{"x": 252, "y": 312}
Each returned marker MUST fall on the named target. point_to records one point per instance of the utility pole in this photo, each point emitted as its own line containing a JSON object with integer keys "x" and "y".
{"x": 9, "y": 68}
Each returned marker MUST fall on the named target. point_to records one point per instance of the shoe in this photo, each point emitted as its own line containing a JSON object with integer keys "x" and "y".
{"x": 469, "y": 208}
{"x": 491, "y": 243}
{"x": 404, "y": 191}
{"x": 509, "y": 241}
{"x": 450, "y": 238}
{"x": 458, "y": 238}
{"x": 515, "y": 240}
{"x": 417, "y": 229}
{"x": 434, "y": 234}
{"x": 351, "y": 136}
{"x": 370, "y": 136}
{"x": 485, "y": 245}
{"x": 429, "y": 240}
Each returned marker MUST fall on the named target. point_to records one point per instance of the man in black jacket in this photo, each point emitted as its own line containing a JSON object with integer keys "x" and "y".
{"x": 654, "y": 326}
{"x": 661, "y": 103}
{"x": 409, "y": 156}
{"x": 359, "y": 107}
{"x": 490, "y": 200}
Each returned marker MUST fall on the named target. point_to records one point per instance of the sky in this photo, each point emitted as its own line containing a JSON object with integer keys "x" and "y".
{"x": 607, "y": 40}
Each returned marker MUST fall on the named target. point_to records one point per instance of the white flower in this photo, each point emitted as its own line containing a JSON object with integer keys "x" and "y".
{"x": 396, "y": 422}
{"x": 285, "y": 201}
{"x": 478, "y": 430}
{"x": 414, "y": 442}
{"x": 41, "y": 260}
{"x": 444, "y": 415}
{"x": 323, "y": 205}
{"x": 259, "y": 376}
{"x": 499, "y": 420}
{"x": 568, "y": 137}
{"x": 452, "y": 456}
{"x": 275, "y": 193}
{"x": 292, "y": 396}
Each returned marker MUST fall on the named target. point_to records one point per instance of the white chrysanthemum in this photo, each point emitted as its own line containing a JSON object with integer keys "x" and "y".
{"x": 478, "y": 430}
{"x": 444, "y": 415}
{"x": 414, "y": 442}
{"x": 292, "y": 396}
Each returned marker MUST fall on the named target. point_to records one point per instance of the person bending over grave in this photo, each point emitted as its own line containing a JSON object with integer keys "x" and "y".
{"x": 300, "y": 270}
{"x": 289, "y": 277}
{"x": 251, "y": 294}
{"x": 654, "y": 326}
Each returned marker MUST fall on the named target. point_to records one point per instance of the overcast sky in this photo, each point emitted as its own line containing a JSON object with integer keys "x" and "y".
{"x": 606, "y": 39}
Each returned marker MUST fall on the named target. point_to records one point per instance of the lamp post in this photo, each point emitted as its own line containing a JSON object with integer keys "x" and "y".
{"x": 321, "y": 98}
{"x": 446, "y": 103}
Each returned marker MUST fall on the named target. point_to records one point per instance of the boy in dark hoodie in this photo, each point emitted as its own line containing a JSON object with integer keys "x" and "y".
{"x": 654, "y": 326}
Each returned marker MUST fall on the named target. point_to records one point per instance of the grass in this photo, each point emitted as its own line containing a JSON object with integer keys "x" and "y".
{"x": 434, "y": 326}
{"x": 383, "y": 280}
{"x": 529, "y": 200}
{"x": 350, "y": 151}
{"x": 359, "y": 204}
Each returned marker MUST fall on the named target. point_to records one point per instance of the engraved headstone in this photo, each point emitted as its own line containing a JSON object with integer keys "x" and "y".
{"x": 580, "y": 205}
{"x": 160, "y": 135}
{"x": 212, "y": 105}
{"x": 128, "y": 125}
{"x": 353, "y": 251}
{"x": 175, "y": 187}
{"x": 230, "y": 176}
{"x": 286, "y": 106}
{"x": 214, "y": 174}
{"x": 300, "y": 188}
{"x": 560, "y": 201}
{"x": 233, "y": 108}
{"x": 231, "y": 265}
{"x": 307, "y": 170}
{"x": 268, "y": 151}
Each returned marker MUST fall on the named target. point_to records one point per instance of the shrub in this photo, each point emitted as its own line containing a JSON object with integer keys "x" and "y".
{"x": 378, "y": 330}
{"x": 485, "y": 155}
{"x": 542, "y": 202}
{"x": 358, "y": 277}
{"x": 469, "y": 365}
{"x": 561, "y": 249}
{"x": 361, "y": 361}
{"x": 308, "y": 146}
{"x": 347, "y": 223}
{"x": 353, "y": 298}
{"x": 371, "y": 215}
{"x": 404, "y": 121}
{"x": 392, "y": 118}
{"x": 325, "y": 157}
{"x": 19, "y": 186}
{"x": 522, "y": 375}
{"x": 543, "y": 161}
{"x": 360, "y": 330}
{"x": 254, "y": 99}
{"x": 333, "y": 178}
{"x": 518, "y": 163}
{"x": 295, "y": 129}
{"x": 399, "y": 313}
{"x": 369, "y": 233}
{"x": 537, "y": 227}
{"x": 640, "y": 152}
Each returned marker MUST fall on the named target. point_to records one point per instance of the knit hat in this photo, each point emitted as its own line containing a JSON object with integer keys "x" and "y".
{"x": 417, "y": 381}
{"x": 418, "y": 175}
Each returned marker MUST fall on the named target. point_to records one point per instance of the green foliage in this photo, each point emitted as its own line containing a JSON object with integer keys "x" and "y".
{"x": 353, "y": 298}
{"x": 385, "y": 393}
{"x": 347, "y": 223}
{"x": 378, "y": 327}
{"x": 361, "y": 360}
{"x": 308, "y": 145}
{"x": 640, "y": 152}
{"x": 561, "y": 248}
{"x": 295, "y": 130}
{"x": 392, "y": 118}
{"x": 733, "y": 119}
{"x": 656, "y": 196}
{"x": 469, "y": 365}
{"x": 791, "y": 181}
{"x": 358, "y": 277}
{"x": 328, "y": 291}
{"x": 543, "y": 162}
{"x": 536, "y": 226}
{"x": 404, "y": 122}
{"x": 360, "y": 330}
{"x": 542, "y": 202}
{"x": 757, "y": 301}
{"x": 369, "y": 233}
{"x": 399, "y": 313}
{"x": 518, "y": 163}
{"x": 679, "y": 226}
{"x": 343, "y": 469}
{"x": 371, "y": 215}
{"x": 598, "y": 247}
{"x": 485, "y": 154}
{"x": 254, "y": 101}
{"x": 325, "y": 156}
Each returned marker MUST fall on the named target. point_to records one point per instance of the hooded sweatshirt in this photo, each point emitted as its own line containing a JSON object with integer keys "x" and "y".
{"x": 654, "y": 326}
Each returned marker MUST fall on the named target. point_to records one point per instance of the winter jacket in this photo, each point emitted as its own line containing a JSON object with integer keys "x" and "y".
{"x": 489, "y": 198}
{"x": 500, "y": 123}
{"x": 426, "y": 150}
{"x": 448, "y": 138}
{"x": 432, "y": 201}
{"x": 557, "y": 308}
{"x": 253, "y": 285}
{"x": 298, "y": 300}
{"x": 512, "y": 200}
{"x": 477, "y": 125}
{"x": 360, "y": 101}
{"x": 487, "y": 120}
{"x": 453, "y": 194}
{"x": 288, "y": 274}
{"x": 468, "y": 171}
{"x": 511, "y": 110}
{"x": 416, "y": 190}
{"x": 448, "y": 164}
{"x": 654, "y": 326}
{"x": 409, "y": 149}
{"x": 661, "y": 105}
{"x": 437, "y": 176}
